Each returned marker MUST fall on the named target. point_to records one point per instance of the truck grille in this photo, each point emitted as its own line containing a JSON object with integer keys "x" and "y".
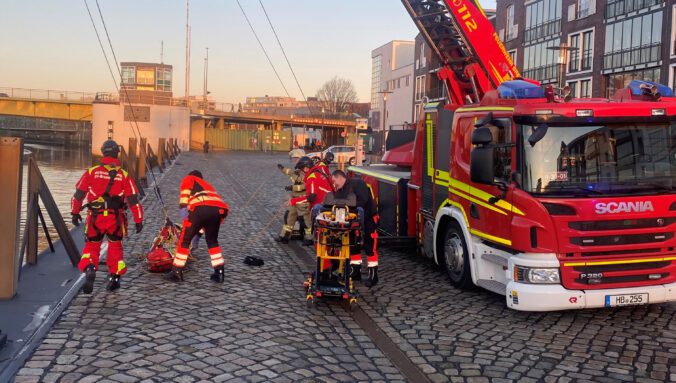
{"x": 606, "y": 254}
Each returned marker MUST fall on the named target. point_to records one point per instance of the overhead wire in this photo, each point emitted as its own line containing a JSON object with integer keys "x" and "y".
{"x": 137, "y": 132}
{"x": 263, "y": 48}
{"x": 288, "y": 62}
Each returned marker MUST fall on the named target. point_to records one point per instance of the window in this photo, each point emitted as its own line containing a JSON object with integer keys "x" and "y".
{"x": 503, "y": 152}
{"x": 616, "y": 8}
{"x": 584, "y": 8}
{"x": 375, "y": 81}
{"x": 634, "y": 41}
{"x": 581, "y": 88}
{"x": 128, "y": 75}
{"x": 543, "y": 19}
{"x": 511, "y": 28}
{"x": 145, "y": 76}
{"x": 581, "y": 58}
{"x": 541, "y": 63}
{"x": 622, "y": 80}
{"x": 163, "y": 77}
{"x": 419, "y": 88}
{"x": 408, "y": 80}
{"x": 512, "y": 55}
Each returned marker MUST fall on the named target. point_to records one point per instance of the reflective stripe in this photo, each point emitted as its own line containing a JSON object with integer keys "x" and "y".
{"x": 85, "y": 256}
{"x": 622, "y": 262}
{"x": 372, "y": 264}
{"x": 217, "y": 263}
{"x": 120, "y": 267}
{"x": 216, "y": 256}
{"x": 355, "y": 262}
{"x": 183, "y": 200}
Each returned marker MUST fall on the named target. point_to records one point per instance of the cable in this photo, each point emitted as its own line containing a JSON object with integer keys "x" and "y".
{"x": 286, "y": 58}
{"x": 138, "y": 136}
{"x": 110, "y": 69}
{"x": 263, "y": 48}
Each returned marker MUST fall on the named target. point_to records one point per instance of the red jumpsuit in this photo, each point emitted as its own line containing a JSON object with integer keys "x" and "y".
{"x": 317, "y": 185}
{"x": 106, "y": 201}
{"x": 206, "y": 210}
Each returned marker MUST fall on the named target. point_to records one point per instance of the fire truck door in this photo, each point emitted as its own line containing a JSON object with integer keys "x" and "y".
{"x": 490, "y": 209}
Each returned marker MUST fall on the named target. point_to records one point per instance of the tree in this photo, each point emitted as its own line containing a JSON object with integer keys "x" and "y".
{"x": 337, "y": 95}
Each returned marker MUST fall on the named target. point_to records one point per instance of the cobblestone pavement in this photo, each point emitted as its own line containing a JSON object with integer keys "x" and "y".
{"x": 256, "y": 327}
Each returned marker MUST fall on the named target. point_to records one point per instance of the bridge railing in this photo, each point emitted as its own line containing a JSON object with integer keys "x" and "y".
{"x": 47, "y": 94}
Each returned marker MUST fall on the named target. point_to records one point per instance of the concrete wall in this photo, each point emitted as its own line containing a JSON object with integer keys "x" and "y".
{"x": 396, "y": 62}
{"x": 164, "y": 122}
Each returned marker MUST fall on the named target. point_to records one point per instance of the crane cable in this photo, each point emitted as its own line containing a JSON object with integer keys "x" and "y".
{"x": 288, "y": 62}
{"x": 263, "y": 48}
{"x": 156, "y": 188}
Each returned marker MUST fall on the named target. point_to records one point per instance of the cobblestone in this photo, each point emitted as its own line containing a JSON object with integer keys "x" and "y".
{"x": 256, "y": 327}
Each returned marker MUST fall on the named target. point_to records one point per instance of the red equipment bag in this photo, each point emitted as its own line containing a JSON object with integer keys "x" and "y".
{"x": 159, "y": 258}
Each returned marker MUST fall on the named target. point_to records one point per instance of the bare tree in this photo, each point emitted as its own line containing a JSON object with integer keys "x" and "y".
{"x": 337, "y": 95}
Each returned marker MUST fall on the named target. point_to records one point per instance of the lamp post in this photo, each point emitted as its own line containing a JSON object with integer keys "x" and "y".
{"x": 563, "y": 49}
{"x": 384, "y": 118}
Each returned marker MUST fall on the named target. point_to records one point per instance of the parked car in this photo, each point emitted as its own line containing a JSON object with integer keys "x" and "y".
{"x": 342, "y": 153}
{"x": 296, "y": 153}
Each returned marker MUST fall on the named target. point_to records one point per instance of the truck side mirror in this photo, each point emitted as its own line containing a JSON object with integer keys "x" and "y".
{"x": 482, "y": 136}
{"x": 481, "y": 165}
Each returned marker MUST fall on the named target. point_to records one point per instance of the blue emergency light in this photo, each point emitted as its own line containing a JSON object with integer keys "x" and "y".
{"x": 639, "y": 88}
{"x": 519, "y": 89}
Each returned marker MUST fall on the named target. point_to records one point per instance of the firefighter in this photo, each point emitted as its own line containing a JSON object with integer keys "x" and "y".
{"x": 206, "y": 210}
{"x": 301, "y": 209}
{"x": 109, "y": 191}
{"x": 369, "y": 217}
{"x": 317, "y": 184}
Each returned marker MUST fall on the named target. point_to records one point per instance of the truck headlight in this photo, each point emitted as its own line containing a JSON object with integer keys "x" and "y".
{"x": 537, "y": 275}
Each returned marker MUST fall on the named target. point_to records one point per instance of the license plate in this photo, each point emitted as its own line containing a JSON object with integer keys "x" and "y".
{"x": 626, "y": 299}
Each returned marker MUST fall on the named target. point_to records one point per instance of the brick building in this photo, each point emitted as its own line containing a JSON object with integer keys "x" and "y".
{"x": 616, "y": 40}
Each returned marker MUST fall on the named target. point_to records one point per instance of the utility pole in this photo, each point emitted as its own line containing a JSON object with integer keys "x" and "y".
{"x": 187, "y": 52}
{"x": 162, "y": 52}
{"x": 384, "y": 117}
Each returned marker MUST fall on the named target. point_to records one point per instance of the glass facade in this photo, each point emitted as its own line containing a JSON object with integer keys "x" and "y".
{"x": 543, "y": 18}
{"x": 633, "y": 41}
{"x": 375, "y": 81}
{"x": 541, "y": 63}
{"x": 616, "y": 8}
{"x": 581, "y": 58}
{"x": 622, "y": 80}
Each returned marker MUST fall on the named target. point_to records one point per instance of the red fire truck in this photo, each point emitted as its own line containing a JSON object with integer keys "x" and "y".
{"x": 556, "y": 203}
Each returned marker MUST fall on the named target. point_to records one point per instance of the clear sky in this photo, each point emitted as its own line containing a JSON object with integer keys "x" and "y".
{"x": 50, "y": 44}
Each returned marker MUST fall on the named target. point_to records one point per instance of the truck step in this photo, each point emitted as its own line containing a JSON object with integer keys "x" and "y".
{"x": 492, "y": 285}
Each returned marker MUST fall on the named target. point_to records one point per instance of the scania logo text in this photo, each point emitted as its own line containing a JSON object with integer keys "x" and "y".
{"x": 624, "y": 207}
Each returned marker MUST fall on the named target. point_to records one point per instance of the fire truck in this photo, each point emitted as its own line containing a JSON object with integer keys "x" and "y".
{"x": 554, "y": 202}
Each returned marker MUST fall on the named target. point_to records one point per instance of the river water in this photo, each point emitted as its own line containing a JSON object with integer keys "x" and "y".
{"x": 61, "y": 168}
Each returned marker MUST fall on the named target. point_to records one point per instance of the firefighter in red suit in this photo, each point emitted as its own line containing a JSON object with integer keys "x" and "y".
{"x": 317, "y": 184}
{"x": 204, "y": 209}
{"x": 109, "y": 191}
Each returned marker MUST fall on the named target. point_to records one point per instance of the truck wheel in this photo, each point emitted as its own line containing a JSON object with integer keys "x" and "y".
{"x": 456, "y": 258}
{"x": 352, "y": 161}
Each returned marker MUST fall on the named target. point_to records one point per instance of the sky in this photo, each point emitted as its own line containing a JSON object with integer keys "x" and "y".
{"x": 51, "y": 44}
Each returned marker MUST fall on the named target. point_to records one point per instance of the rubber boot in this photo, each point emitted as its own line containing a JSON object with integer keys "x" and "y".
{"x": 219, "y": 274}
{"x": 355, "y": 272}
{"x": 373, "y": 276}
{"x": 90, "y": 276}
{"x": 308, "y": 242}
{"x": 113, "y": 282}
{"x": 283, "y": 239}
{"x": 175, "y": 275}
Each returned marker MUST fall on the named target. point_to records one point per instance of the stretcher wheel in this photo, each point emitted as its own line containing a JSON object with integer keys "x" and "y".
{"x": 310, "y": 301}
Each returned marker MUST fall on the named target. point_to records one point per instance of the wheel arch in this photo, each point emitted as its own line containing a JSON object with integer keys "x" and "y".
{"x": 446, "y": 216}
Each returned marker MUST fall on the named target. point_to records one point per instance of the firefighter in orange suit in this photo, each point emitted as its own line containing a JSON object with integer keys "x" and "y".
{"x": 206, "y": 210}
{"x": 109, "y": 191}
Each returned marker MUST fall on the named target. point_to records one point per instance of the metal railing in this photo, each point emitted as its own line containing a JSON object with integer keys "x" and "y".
{"x": 620, "y": 7}
{"x": 543, "y": 30}
{"x": 47, "y": 94}
{"x": 633, "y": 56}
{"x": 543, "y": 73}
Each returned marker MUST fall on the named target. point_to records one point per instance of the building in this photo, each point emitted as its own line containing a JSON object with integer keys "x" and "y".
{"x": 150, "y": 83}
{"x": 616, "y": 40}
{"x": 427, "y": 86}
{"x": 392, "y": 72}
{"x": 275, "y": 106}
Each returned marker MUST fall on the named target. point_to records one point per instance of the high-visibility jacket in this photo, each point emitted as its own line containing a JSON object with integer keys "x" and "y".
{"x": 96, "y": 181}
{"x": 317, "y": 185}
{"x": 198, "y": 192}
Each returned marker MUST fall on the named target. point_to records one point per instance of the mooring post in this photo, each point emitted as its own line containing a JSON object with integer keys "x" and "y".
{"x": 11, "y": 158}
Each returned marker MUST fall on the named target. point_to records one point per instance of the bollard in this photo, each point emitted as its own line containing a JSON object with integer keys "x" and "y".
{"x": 141, "y": 163}
{"x": 11, "y": 158}
{"x": 161, "y": 155}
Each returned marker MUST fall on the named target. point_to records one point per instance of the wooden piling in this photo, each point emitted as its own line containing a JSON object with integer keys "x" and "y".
{"x": 11, "y": 158}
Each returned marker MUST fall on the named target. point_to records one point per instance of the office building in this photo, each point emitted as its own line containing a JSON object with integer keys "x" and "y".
{"x": 392, "y": 73}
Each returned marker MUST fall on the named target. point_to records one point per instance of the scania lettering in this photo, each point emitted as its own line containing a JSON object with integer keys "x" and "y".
{"x": 555, "y": 203}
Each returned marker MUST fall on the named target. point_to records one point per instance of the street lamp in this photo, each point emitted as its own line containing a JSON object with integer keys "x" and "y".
{"x": 563, "y": 49}
{"x": 384, "y": 117}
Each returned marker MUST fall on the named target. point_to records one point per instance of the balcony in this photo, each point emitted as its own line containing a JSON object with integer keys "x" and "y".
{"x": 546, "y": 73}
{"x": 543, "y": 30}
{"x": 633, "y": 56}
{"x": 621, "y": 7}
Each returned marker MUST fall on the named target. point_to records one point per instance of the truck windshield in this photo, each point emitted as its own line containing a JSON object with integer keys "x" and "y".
{"x": 622, "y": 159}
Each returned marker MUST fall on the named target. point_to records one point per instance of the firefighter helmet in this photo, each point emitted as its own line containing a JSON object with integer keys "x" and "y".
{"x": 305, "y": 162}
{"x": 110, "y": 148}
{"x": 328, "y": 158}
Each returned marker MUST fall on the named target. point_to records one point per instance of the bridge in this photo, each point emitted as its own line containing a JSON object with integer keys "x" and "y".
{"x": 68, "y": 116}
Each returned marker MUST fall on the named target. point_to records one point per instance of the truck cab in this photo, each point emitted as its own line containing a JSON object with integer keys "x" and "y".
{"x": 556, "y": 205}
